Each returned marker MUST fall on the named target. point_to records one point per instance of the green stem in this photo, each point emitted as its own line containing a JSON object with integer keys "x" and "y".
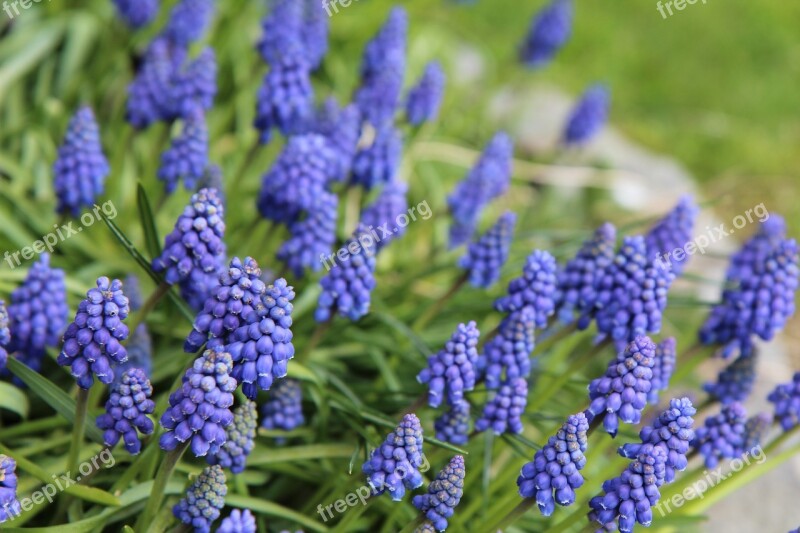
{"x": 159, "y": 486}
{"x": 434, "y": 309}
{"x": 81, "y": 409}
{"x": 515, "y": 514}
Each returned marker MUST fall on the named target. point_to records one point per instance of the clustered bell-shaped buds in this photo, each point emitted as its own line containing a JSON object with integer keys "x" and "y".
{"x": 510, "y": 350}
{"x": 137, "y": 13}
{"x": 285, "y": 99}
{"x": 188, "y": 21}
{"x": 240, "y": 441}
{"x": 5, "y": 335}
{"x": 621, "y": 394}
{"x": 204, "y": 500}
{"x": 503, "y": 413}
{"x": 383, "y": 213}
{"x": 578, "y": 280}
{"x": 735, "y": 382}
{"x": 200, "y": 410}
{"x": 81, "y": 167}
{"x": 238, "y": 522}
{"x": 722, "y": 435}
{"x": 786, "y": 398}
{"x": 194, "y": 87}
{"x": 347, "y": 288}
{"x": 672, "y": 430}
{"x": 140, "y": 353}
{"x": 663, "y": 367}
{"x": 444, "y": 494}
{"x": 425, "y": 97}
{"x": 629, "y": 498}
{"x": 451, "y": 372}
{"x": 672, "y": 233}
{"x": 187, "y": 156}
{"x": 554, "y": 474}
{"x": 453, "y": 425}
{"x": 588, "y": 117}
{"x": 755, "y": 251}
{"x": 93, "y": 341}
{"x": 314, "y": 32}
{"x": 284, "y": 408}
{"x": 486, "y": 256}
{"x": 281, "y": 36}
{"x": 754, "y": 430}
{"x": 549, "y": 32}
{"x": 535, "y": 288}
{"x": 394, "y": 466}
{"x": 9, "y": 505}
{"x": 341, "y": 128}
{"x": 377, "y": 164}
{"x": 311, "y": 238}
{"x": 427, "y": 527}
{"x": 126, "y": 411}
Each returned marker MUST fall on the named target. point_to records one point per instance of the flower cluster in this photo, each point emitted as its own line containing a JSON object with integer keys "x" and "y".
{"x": 238, "y": 522}
{"x": 5, "y": 335}
{"x": 377, "y": 163}
{"x": 311, "y": 238}
{"x": 755, "y": 251}
{"x": 486, "y": 256}
{"x": 341, "y": 128}
{"x": 510, "y": 351}
{"x": 735, "y": 382}
{"x": 673, "y": 232}
{"x": 786, "y": 398}
{"x": 126, "y": 411}
{"x": 187, "y": 157}
{"x": 425, "y": 97}
{"x": 588, "y": 117}
{"x": 188, "y": 21}
{"x": 204, "y": 500}
{"x": 536, "y": 288}
{"x": 140, "y": 353}
{"x": 240, "y": 441}
{"x": 663, "y": 367}
{"x": 9, "y": 505}
{"x": 284, "y": 408}
{"x": 394, "y": 466}
{"x": 137, "y": 13}
{"x": 285, "y": 99}
{"x": 383, "y": 212}
{"x": 722, "y": 435}
{"x": 451, "y": 372}
{"x": 444, "y": 494}
{"x": 503, "y": 414}
{"x": 453, "y": 425}
{"x": 549, "y": 32}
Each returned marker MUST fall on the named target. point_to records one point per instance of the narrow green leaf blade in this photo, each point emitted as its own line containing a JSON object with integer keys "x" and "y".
{"x": 13, "y": 399}
{"x": 151, "y": 239}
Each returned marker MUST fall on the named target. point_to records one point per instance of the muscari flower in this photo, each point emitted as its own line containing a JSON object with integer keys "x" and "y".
{"x": 194, "y": 87}
{"x": 425, "y": 98}
{"x": 621, "y": 394}
{"x": 240, "y": 441}
{"x": 282, "y": 35}
{"x": 382, "y": 214}
{"x": 284, "y": 407}
{"x": 588, "y": 117}
{"x": 510, "y": 351}
{"x": 549, "y": 31}
{"x": 238, "y": 522}
{"x": 754, "y": 429}
{"x": 285, "y": 99}
{"x": 629, "y": 498}
{"x": 347, "y": 287}
{"x": 578, "y": 280}
{"x": 759, "y": 306}
{"x": 536, "y": 287}
{"x": 93, "y": 341}
{"x": 137, "y": 13}
{"x": 486, "y": 256}
{"x": 311, "y": 238}
{"x": 187, "y": 156}
{"x": 453, "y": 425}
{"x": 722, "y": 435}
{"x": 672, "y": 431}
{"x": 755, "y": 251}
{"x": 188, "y": 21}
{"x": 503, "y": 414}
{"x": 444, "y": 494}
{"x": 631, "y": 294}
{"x": 735, "y": 381}
{"x": 394, "y": 466}
{"x": 81, "y": 167}
{"x": 427, "y": 527}
{"x": 341, "y": 127}
{"x": 314, "y": 32}
{"x": 204, "y": 500}
{"x": 451, "y": 372}
{"x": 554, "y": 474}
{"x": 9, "y": 505}
{"x": 200, "y": 410}
{"x": 378, "y": 163}
{"x": 786, "y": 398}
{"x": 126, "y": 411}
{"x": 673, "y": 232}
{"x": 150, "y": 94}
{"x": 140, "y": 353}
{"x": 663, "y": 367}
{"x": 38, "y": 313}
{"x": 5, "y": 335}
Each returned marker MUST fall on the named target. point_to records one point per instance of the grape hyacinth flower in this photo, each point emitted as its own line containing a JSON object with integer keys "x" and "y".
{"x": 5, "y": 335}
{"x": 140, "y": 353}
{"x": 578, "y": 280}
{"x": 342, "y": 129}
{"x": 200, "y": 410}
{"x": 38, "y": 313}
{"x": 444, "y": 494}
{"x": 282, "y": 36}
{"x": 394, "y": 466}
{"x": 722, "y": 435}
{"x": 451, "y": 372}
{"x": 187, "y": 156}
{"x": 425, "y": 98}
{"x": 754, "y": 430}
{"x": 536, "y": 288}
{"x": 238, "y": 522}
{"x": 284, "y": 408}
{"x": 81, "y": 167}
{"x": 588, "y": 117}
{"x": 735, "y": 382}
{"x": 378, "y": 163}
{"x": 510, "y": 351}
{"x": 93, "y": 341}
{"x": 9, "y": 505}
{"x": 672, "y": 431}
{"x": 188, "y": 21}
{"x": 126, "y": 411}
{"x": 503, "y": 414}
{"x": 285, "y": 99}
{"x": 485, "y": 257}
{"x": 755, "y": 251}
{"x": 311, "y": 238}
{"x": 384, "y": 212}
{"x": 150, "y": 94}
{"x": 549, "y": 32}
{"x": 786, "y": 398}
{"x": 673, "y": 232}
{"x": 347, "y": 287}
{"x": 240, "y": 441}
{"x": 453, "y": 425}
{"x": 632, "y": 295}
{"x": 427, "y": 527}
{"x": 204, "y": 500}
{"x": 314, "y": 32}
{"x": 629, "y": 498}
{"x": 621, "y": 394}
{"x": 663, "y": 367}
{"x": 554, "y": 474}
{"x": 194, "y": 87}
{"x": 137, "y": 13}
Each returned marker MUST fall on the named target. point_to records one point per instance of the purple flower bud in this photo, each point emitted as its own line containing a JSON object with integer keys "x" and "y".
{"x": 378, "y": 163}
{"x": 126, "y": 411}
{"x": 238, "y": 522}
{"x": 240, "y": 439}
{"x": 9, "y": 505}
{"x": 137, "y": 13}
{"x": 425, "y": 98}
{"x": 663, "y": 367}
{"x": 187, "y": 156}
{"x": 311, "y": 238}
{"x": 535, "y": 288}
{"x": 284, "y": 408}
{"x": 510, "y": 351}
{"x": 204, "y": 500}
{"x": 451, "y": 372}
{"x": 503, "y": 413}
{"x": 188, "y": 21}
{"x": 383, "y": 213}
{"x": 485, "y": 257}
{"x": 394, "y": 466}
{"x": 285, "y": 99}
{"x": 549, "y": 32}
{"x": 786, "y": 398}
{"x": 673, "y": 232}
{"x": 735, "y": 382}
{"x": 588, "y": 117}
{"x": 453, "y": 425}
{"x": 444, "y": 494}
{"x": 722, "y": 435}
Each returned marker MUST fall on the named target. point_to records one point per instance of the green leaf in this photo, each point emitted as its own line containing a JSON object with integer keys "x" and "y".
{"x": 265, "y": 456}
{"x": 13, "y": 399}
{"x": 273, "y": 509}
{"x": 151, "y": 239}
